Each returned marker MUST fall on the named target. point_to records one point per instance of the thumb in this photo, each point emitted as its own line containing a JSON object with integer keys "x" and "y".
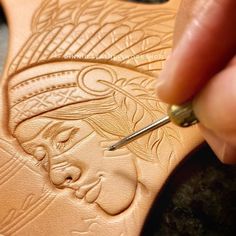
{"x": 215, "y": 107}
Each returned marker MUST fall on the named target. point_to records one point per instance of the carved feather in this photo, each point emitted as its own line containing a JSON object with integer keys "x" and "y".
{"x": 44, "y": 16}
{"x": 58, "y": 33}
{"x": 136, "y": 96}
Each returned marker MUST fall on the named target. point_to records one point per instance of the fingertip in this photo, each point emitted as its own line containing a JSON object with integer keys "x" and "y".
{"x": 162, "y": 91}
{"x": 215, "y": 105}
{"x": 198, "y": 55}
{"x": 167, "y": 85}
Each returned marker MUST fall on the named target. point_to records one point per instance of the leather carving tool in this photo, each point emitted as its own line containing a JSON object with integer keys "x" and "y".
{"x": 182, "y": 116}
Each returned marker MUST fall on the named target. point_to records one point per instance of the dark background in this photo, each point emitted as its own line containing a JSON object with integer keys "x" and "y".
{"x": 198, "y": 199}
{"x": 200, "y": 196}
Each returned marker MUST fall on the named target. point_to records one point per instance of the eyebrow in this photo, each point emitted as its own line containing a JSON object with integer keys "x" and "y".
{"x": 50, "y": 132}
{"x": 34, "y": 137}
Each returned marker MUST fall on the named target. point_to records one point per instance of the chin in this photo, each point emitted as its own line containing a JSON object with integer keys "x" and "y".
{"x": 113, "y": 208}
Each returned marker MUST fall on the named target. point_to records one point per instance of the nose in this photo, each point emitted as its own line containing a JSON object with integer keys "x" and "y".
{"x": 61, "y": 177}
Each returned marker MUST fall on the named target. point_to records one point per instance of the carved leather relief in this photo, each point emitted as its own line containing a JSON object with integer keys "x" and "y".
{"x": 84, "y": 78}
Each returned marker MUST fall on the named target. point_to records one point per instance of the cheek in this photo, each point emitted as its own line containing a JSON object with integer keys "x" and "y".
{"x": 119, "y": 185}
{"x": 87, "y": 152}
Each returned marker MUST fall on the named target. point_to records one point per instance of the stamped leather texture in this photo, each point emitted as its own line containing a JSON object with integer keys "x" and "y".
{"x": 79, "y": 76}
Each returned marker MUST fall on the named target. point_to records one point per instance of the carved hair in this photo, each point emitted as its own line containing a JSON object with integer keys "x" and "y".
{"x": 106, "y": 118}
{"x": 111, "y": 104}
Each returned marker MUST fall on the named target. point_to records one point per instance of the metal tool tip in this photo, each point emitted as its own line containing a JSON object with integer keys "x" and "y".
{"x": 112, "y": 148}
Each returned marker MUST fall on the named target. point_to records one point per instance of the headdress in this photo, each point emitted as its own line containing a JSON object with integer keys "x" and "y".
{"x": 33, "y": 91}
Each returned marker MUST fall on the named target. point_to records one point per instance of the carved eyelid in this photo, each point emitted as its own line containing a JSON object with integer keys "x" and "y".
{"x": 65, "y": 134}
{"x": 79, "y": 142}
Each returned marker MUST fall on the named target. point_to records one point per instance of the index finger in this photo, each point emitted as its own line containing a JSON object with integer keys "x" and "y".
{"x": 207, "y": 45}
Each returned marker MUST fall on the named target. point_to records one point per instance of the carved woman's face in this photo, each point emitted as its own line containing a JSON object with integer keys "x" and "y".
{"x": 76, "y": 157}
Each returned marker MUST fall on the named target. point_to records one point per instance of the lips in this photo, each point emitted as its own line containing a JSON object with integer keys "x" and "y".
{"x": 89, "y": 192}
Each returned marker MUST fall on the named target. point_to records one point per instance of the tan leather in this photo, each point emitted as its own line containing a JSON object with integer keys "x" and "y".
{"x": 79, "y": 76}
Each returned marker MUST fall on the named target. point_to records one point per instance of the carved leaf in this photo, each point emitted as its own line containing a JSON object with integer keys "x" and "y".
{"x": 137, "y": 97}
{"x": 158, "y": 17}
{"x": 31, "y": 208}
{"x": 28, "y": 201}
{"x": 10, "y": 216}
{"x": 132, "y": 96}
{"x": 65, "y": 13}
{"x": 44, "y": 16}
{"x": 165, "y": 147}
{"x": 144, "y": 90}
{"x": 88, "y": 10}
{"x": 173, "y": 133}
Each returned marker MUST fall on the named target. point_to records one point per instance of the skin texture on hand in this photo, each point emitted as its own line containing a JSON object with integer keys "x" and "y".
{"x": 203, "y": 64}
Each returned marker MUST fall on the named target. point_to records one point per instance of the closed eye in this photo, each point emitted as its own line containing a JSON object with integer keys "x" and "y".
{"x": 64, "y": 137}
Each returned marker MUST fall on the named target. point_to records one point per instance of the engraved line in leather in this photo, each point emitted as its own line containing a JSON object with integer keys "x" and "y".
{"x": 82, "y": 80}
{"x": 14, "y": 161}
{"x": 98, "y": 30}
{"x": 16, "y": 219}
{"x": 107, "y": 106}
{"x": 9, "y": 169}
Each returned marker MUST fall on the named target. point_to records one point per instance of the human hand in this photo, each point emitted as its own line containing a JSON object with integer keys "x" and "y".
{"x": 203, "y": 63}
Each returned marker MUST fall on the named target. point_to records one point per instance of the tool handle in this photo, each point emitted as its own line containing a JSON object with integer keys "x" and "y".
{"x": 182, "y": 115}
